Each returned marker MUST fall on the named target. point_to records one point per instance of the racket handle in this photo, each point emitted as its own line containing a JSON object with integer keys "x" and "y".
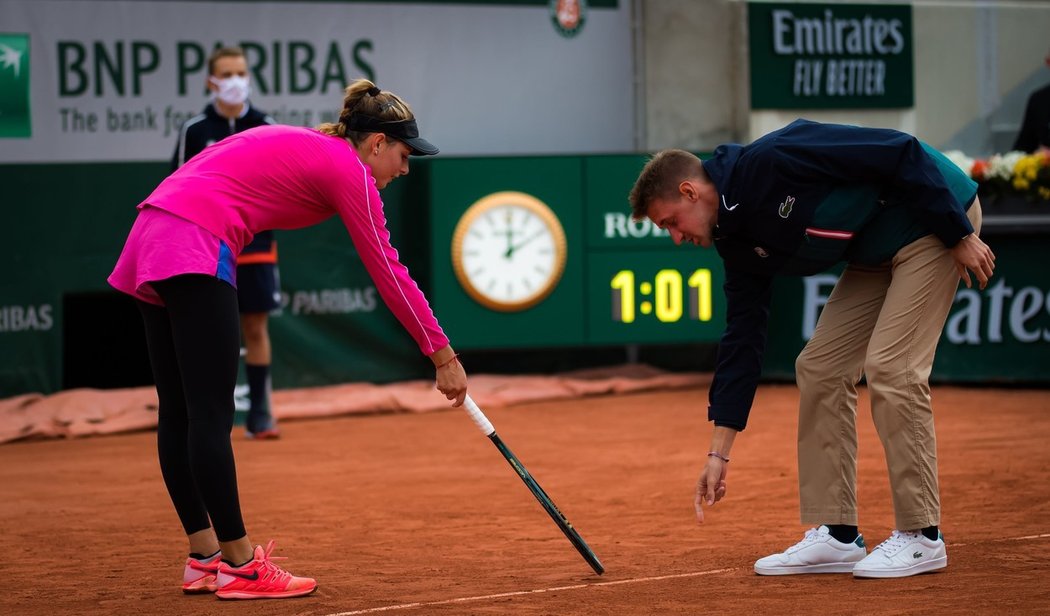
{"x": 479, "y": 418}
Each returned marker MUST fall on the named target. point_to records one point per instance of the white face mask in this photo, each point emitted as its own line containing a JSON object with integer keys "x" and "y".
{"x": 232, "y": 90}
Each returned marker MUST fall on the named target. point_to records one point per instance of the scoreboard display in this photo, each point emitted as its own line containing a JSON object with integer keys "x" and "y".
{"x": 542, "y": 252}
{"x": 650, "y": 297}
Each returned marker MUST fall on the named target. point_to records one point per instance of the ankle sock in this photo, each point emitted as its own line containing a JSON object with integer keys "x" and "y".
{"x": 202, "y": 557}
{"x": 931, "y": 532}
{"x": 235, "y": 565}
{"x": 843, "y": 533}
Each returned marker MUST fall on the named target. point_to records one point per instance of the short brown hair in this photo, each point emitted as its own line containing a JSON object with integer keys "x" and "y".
{"x": 223, "y": 52}
{"x": 660, "y": 178}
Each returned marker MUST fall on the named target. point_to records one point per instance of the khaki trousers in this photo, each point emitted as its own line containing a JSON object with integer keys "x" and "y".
{"x": 883, "y": 322}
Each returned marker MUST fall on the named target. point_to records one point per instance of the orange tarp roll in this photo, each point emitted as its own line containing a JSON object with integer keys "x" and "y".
{"x": 85, "y": 412}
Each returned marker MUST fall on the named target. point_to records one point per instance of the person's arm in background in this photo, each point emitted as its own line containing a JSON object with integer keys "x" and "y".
{"x": 178, "y": 148}
{"x": 1028, "y": 136}
{"x": 185, "y": 146}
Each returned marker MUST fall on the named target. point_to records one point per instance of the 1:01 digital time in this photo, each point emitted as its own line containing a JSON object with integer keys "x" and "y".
{"x": 667, "y": 294}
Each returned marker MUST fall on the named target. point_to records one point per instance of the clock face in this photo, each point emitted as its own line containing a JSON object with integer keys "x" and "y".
{"x": 508, "y": 251}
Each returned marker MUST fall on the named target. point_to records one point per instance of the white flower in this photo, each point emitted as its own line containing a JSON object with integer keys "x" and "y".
{"x": 961, "y": 160}
{"x": 1001, "y": 166}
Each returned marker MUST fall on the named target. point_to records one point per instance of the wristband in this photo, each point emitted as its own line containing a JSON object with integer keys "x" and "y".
{"x": 451, "y": 359}
{"x": 715, "y": 454}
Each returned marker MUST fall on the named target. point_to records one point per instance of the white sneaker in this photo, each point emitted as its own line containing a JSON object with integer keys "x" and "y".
{"x": 818, "y": 552}
{"x": 904, "y": 553}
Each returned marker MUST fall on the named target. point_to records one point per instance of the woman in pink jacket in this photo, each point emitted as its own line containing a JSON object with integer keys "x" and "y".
{"x": 179, "y": 262}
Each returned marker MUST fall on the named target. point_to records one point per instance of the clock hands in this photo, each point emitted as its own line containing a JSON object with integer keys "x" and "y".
{"x": 513, "y": 247}
{"x": 510, "y": 235}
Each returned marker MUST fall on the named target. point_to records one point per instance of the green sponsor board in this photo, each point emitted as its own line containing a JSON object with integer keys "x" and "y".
{"x": 14, "y": 86}
{"x": 607, "y": 182}
{"x": 641, "y": 288}
{"x": 831, "y": 56}
{"x": 999, "y": 334}
{"x": 624, "y": 282}
{"x": 62, "y": 325}
{"x": 66, "y": 226}
{"x": 457, "y": 184}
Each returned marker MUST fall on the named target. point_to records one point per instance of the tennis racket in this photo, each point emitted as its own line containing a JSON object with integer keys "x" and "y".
{"x": 574, "y": 537}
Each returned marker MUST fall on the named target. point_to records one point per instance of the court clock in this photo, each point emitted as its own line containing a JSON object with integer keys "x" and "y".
{"x": 508, "y": 251}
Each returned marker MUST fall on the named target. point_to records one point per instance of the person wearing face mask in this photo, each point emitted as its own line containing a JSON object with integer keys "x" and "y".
{"x": 178, "y": 263}
{"x": 258, "y": 289}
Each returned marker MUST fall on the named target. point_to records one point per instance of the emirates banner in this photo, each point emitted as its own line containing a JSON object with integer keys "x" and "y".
{"x": 831, "y": 56}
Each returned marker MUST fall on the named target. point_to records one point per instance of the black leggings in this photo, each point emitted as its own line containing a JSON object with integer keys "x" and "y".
{"x": 194, "y": 346}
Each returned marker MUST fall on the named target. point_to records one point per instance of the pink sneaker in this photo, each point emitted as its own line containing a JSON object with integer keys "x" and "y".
{"x": 199, "y": 575}
{"x": 261, "y": 579}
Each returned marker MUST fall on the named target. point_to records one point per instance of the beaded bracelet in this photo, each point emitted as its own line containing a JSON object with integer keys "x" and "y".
{"x": 715, "y": 454}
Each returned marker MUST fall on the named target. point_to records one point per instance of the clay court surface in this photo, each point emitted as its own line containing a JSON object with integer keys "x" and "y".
{"x": 419, "y": 514}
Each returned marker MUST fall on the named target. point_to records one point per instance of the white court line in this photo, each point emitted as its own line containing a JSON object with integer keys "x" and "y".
{"x": 519, "y": 593}
{"x": 1025, "y": 538}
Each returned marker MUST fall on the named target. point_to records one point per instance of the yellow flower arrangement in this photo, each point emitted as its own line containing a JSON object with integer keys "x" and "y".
{"x": 1026, "y": 174}
{"x": 1012, "y": 173}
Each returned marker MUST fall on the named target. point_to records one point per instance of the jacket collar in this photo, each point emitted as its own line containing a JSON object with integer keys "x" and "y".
{"x": 212, "y": 112}
{"x": 719, "y": 169}
{"x": 720, "y": 166}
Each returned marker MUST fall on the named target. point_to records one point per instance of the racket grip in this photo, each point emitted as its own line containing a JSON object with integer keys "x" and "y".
{"x": 479, "y": 418}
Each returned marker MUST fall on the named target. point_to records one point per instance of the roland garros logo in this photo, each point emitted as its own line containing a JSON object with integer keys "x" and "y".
{"x": 568, "y": 16}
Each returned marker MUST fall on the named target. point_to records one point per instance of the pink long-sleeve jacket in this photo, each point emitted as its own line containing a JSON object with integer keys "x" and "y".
{"x": 283, "y": 177}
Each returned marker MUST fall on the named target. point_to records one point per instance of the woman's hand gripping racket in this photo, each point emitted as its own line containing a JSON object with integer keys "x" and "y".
{"x": 556, "y": 515}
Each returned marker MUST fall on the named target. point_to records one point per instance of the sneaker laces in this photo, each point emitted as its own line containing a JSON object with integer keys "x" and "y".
{"x": 896, "y": 541}
{"x": 270, "y": 571}
{"x": 811, "y": 536}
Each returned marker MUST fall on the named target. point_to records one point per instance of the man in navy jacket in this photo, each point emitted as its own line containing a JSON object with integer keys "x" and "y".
{"x": 905, "y": 221}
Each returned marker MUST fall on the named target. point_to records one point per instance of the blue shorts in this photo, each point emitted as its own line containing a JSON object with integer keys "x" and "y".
{"x": 258, "y": 288}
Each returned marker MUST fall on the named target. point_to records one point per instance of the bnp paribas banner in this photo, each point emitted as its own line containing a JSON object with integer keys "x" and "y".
{"x": 90, "y": 81}
{"x": 830, "y": 56}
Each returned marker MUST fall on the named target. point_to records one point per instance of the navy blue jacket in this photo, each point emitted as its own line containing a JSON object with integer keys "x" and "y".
{"x": 206, "y": 128}
{"x": 803, "y": 198}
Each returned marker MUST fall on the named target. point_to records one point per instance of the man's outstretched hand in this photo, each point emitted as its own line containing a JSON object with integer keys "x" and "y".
{"x": 711, "y": 487}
